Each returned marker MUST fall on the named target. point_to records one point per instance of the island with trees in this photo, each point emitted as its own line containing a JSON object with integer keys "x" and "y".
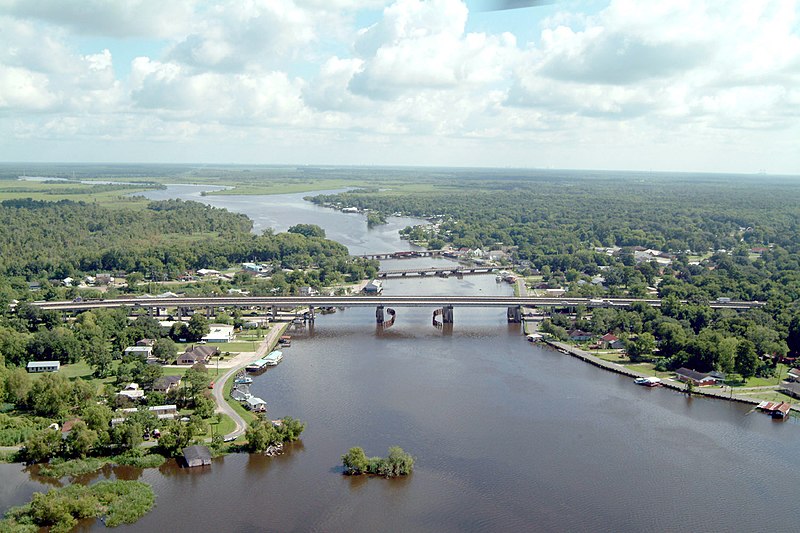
{"x": 397, "y": 463}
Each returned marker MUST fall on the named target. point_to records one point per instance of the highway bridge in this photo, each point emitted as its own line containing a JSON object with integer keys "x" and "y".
{"x": 436, "y": 271}
{"x": 445, "y": 304}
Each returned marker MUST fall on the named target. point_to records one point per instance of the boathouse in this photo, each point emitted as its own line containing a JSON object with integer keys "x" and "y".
{"x": 197, "y": 456}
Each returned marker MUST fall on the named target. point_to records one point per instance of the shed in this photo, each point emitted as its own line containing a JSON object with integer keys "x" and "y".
{"x": 43, "y": 366}
{"x": 373, "y": 287}
{"x": 197, "y": 456}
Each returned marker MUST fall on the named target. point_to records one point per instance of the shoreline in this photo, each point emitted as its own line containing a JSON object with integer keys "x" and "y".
{"x": 620, "y": 369}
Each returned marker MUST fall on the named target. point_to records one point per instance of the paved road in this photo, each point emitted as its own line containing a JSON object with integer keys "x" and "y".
{"x": 219, "y": 387}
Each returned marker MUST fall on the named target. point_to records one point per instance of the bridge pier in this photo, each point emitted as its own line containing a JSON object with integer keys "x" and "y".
{"x": 311, "y": 313}
{"x": 447, "y": 314}
{"x": 514, "y": 314}
{"x": 379, "y": 316}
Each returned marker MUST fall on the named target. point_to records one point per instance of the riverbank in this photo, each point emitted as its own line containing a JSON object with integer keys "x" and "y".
{"x": 625, "y": 371}
{"x": 225, "y": 407}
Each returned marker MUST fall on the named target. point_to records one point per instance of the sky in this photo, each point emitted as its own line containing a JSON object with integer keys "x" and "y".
{"x": 682, "y": 85}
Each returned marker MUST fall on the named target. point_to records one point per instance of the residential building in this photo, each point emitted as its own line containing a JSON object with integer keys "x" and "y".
{"x": 43, "y": 366}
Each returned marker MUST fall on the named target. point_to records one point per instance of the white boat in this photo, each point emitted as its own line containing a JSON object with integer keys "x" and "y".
{"x": 651, "y": 381}
{"x": 273, "y": 358}
{"x": 243, "y": 379}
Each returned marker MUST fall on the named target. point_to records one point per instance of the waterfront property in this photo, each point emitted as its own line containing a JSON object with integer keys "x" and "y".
{"x": 256, "y": 404}
{"x": 698, "y": 379}
{"x": 219, "y": 333}
{"x": 43, "y": 366}
{"x": 197, "y": 456}
{"x": 776, "y": 409}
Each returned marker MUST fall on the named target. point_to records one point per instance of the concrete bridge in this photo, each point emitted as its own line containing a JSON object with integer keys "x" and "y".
{"x": 410, "y": 254}
{"x": 443, "y": 304}
{"x": 436, "y": 271}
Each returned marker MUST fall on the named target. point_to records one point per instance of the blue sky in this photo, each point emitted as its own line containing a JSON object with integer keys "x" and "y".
{"x": 613, "y": 84}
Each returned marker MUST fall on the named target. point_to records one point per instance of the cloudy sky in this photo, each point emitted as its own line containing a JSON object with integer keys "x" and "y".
{"x": 630, "y": 84}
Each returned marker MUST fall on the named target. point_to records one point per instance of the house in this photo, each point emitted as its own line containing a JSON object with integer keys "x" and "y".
{"x": 162, "y": 412}
{"x": 373, "y": 287}
{"x": 697, "y": 378}
{"x": 577, "y": 335}
{"x": 166, "y": 384}
{"x": 145, "y": 342}
{"x": 197, "y": 354}
{"x": 132, "y": 391}
{"x": 240, "y": 392}
{"x": 609, "y": 341}
{"x": 255, "y": 404}
{"x": 793, "y": 374}
{"x": 143, "y": 352}
{"x": 197, "y": 456}
{"x": 307, "y": 291}
{"x": 219, "y": 333}
{"x": 792, "y": 389}
{"x": 207, "y": 272}
{"x": 43, "y": 366}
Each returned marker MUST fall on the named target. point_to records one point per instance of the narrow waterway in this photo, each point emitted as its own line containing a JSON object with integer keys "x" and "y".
{"x": 508, "y": 436}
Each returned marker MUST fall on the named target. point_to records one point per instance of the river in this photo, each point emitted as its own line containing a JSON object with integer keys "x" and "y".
{"x": 508, "y": 436}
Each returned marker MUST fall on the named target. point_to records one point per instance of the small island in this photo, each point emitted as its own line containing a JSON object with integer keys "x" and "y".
{"x": 397, "y": 463}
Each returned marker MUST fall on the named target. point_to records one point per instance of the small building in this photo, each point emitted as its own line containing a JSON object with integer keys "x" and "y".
{"x": 166, "y": 384}
{"x": 143, "y": 352}
{"x": 197, "y": 354}
{"x": 776, "y": 409}
{"x": 792, "y": 389}
{"x": 197, "y": 456}
{"x": 207, "y": 272}
{"x": 145, "y": 342}
{"x": 577, "y": 335}
{"x": 219, "y": 333}
{"x": 240, "y": 392}
{"x": 611, "y": 341}
{"x": 43, "y": 366}
{"x": 699, "y": 379}
{"x": 793, "y": 374}
{"x": 132, "y": 391}
{"x": 373, "y": 287}
{"x": 256, "y": 404}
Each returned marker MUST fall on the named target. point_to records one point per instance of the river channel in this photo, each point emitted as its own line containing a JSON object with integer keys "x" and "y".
{"x": 508, "y": 436}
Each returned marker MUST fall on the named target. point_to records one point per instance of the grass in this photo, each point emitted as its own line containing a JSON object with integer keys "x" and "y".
{"x": 74, "y": 467}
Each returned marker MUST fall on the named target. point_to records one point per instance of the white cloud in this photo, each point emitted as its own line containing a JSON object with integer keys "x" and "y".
{"x": 127, "y": 18}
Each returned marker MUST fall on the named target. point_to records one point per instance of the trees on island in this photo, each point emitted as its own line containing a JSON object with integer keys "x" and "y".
{"x": 396, "y": 463}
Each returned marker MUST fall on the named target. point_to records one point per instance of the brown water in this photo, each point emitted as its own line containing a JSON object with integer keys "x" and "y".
{"x": 508, "y": 436}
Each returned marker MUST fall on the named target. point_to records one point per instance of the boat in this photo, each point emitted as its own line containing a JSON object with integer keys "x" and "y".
{"x": 648, "y": 381}
{"x": 244, "y": 380}
{"x": 273, "y": 358}
{"x": 256, "y": 365}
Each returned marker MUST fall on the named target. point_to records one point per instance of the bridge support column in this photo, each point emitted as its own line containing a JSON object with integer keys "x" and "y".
{"x": 379, "y": 316}
{"x": 208, "y": 312}
{"x": 311, "y": 313}
{"x": 514, "y": 314}
{"x": 274, "y": 310}
{"x": 447, "y": 314}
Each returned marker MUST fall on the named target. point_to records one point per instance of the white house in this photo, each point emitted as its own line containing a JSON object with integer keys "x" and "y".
{"x": 43, "y": 366}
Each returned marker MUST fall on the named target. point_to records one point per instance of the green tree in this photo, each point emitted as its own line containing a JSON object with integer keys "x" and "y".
{"x": 746, "y": 359}
{"x": 308, "y": 230}
{"x": 197, "y": 327}
{"x": 642, "y": 347}
{"x": 81, "y": 440}
{"x": 355, "y": 461}
{"x": 42, "y": 445}
{"x": 165, "y": 350}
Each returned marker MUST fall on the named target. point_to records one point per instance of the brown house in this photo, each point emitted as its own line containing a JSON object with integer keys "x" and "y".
{"x": 197, "y": 354}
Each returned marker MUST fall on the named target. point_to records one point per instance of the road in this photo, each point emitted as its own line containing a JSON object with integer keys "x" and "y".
{"x": 219, "y": 387}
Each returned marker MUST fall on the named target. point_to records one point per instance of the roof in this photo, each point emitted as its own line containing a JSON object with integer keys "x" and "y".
{"x": 579, "y": 333}
{"x": 197, "y": 452}
{"x": 255, "y": 401}
{"x": 202, "y": 350}
{"x": 609, "y": 337}
{"x": 781, "y": 407}
{"x": 43, "y": 364}
{"x": 692, "y": 374}
{"x": 165, "y": 382}
{"x": 791, "y": 388}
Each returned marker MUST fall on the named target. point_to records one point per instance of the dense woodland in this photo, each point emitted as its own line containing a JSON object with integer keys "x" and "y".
{"x": 710, "y": 226}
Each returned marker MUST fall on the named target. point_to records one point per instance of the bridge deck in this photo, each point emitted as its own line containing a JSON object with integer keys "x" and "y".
{"x": 367, "y": 301}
